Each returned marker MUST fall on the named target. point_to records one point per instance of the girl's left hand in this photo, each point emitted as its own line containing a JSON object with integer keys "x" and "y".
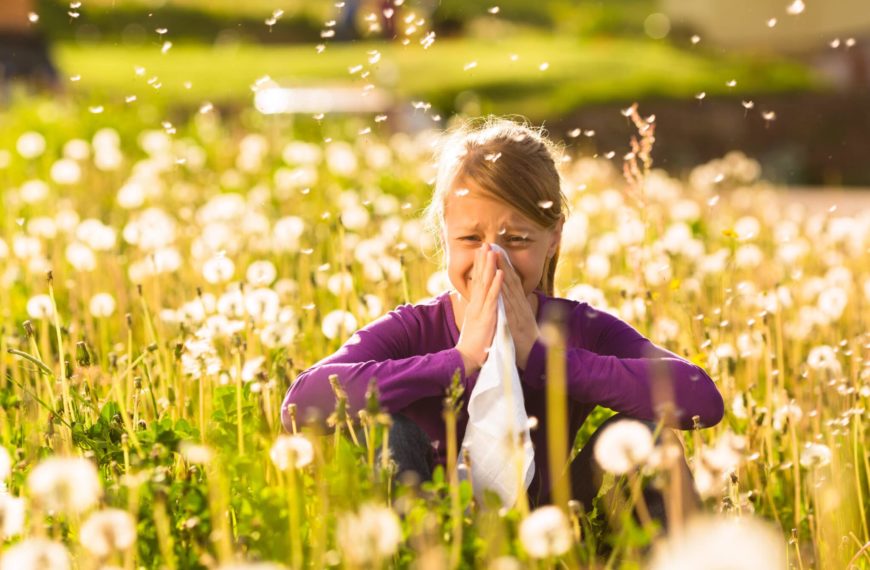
{"x": 521, "y": 318}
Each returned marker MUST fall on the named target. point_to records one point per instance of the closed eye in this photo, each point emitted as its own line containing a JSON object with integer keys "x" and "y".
{"x": 514, "y": 239}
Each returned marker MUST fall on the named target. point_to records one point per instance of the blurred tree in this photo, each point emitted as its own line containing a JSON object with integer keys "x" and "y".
{"x": 24, "y": 50}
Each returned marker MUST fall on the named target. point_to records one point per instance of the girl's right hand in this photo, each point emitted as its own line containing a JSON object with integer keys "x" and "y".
{"x": 481, "y": 313}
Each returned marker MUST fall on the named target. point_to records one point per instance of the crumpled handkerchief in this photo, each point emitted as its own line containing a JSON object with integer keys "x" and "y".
{"x": 497, "y": 419}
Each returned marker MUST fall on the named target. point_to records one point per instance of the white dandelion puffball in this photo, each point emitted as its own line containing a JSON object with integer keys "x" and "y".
{"x": 709, "y": 542}
{"x": 36, "y": 553}
{"x": 373, "y": 533}
{"x": 194, "y": 452}
{"x": 218, "y": 269}
{"x": 30, "y": 144}
{"x": 66, "y": 171}
{"x": 102, "y": 305}
{"x": 33, "y": 191}
{"x": 622, "y": 446}
{"x": 108, "y": 531}
{"x": 81, "y": 257}
{"x": 5, "y": 464}
{"x": 815, "y": 455}
{"x": 546, "y": 532}
{"x": 261, "y": 273}
{"x": 40, "y": 307}
{"x": 11, "y": 515}
{"x": 65, "y": 484}
{"x": 291, "y": 450}
{"x": 335, "y": 320}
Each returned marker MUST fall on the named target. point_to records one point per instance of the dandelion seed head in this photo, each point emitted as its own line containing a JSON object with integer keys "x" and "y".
{"x": 622, "y": 446}
{"x": 373, "y": 532}
{"x": 294, "y": 451}
{"x": 546, "y": 532}
{"x": 37, "y": 553}
{"x": 108, "y": 531}
{"x": 65, "y": 484}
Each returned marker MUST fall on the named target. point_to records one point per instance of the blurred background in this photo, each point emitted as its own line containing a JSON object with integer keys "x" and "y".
{"x": 785, "y": 82}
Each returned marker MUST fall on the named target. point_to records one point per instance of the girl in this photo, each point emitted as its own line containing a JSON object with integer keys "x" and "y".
{"x": 498, "y": 183}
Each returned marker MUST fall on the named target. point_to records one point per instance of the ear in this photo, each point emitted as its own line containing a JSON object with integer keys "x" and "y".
{"x": 556, "y": 237}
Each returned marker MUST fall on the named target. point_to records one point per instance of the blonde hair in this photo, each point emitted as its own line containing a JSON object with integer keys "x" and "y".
{"x": 511, "y": 162}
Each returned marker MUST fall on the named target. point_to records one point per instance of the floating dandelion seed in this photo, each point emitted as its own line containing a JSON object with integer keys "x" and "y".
{"x": 545, "y": 204}
{"x": 731, "y": 83}
{"x": 469, "y": 65}
{"x": 609, "y": 155}
{"x": 850, "y": 42}
{"x": 835, "y": 43}
{"x": 374, "y": 57}
{"x": 354, "y": 69}
{"x": 771, "y": 22}
{"x": 712, "y": 202}
{"x": 428, "y": 40}
{"x": 380, "y": 118}
{"x": 75, "y": 77}
{"x": 492, "y": 157}
{"x": 544, "y": 66}
{"x": 796, "y": 7}
{"x": 626, "y": 112}
{"x": 73, "y": 14}
{"x": 166, "y": 47}
{"x": 768, "y": 115}
{"x": 206, "y": 107}
{"x": 493, "y": 10}
{"x": 33, "y": 17}
{"x": 695, "y": 39}
{"x": 514, "y": 57}
{"x": 161, "y": 31}
{"x": 365, "y": 131}
{"x": 462, "y": 192}
{"x": 319, "y": 48}
{"x": 589, "y": 133}
{"x": 130, "y": 99}
{"x": 139, "y": 70}
{"x": 327, "y": 34}
{"x": 700, "y": 96}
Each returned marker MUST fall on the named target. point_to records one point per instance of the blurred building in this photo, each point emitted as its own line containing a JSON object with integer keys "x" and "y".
{"x": 23, "y": 49}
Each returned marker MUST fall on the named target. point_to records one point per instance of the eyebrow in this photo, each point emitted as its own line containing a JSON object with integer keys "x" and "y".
{"x": 508, "y": 227}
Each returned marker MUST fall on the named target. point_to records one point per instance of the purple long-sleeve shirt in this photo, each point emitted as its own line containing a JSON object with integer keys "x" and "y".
{"x": 411, "y": 352}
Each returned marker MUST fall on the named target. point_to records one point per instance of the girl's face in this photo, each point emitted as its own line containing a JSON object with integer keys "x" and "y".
{"x": 473, "y": 218}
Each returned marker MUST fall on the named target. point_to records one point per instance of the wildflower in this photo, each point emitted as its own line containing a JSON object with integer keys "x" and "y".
{"x": 81, "y": 257}
{"x": 823, "y": 358}
{"x": 815, "y": 455}
{"x": 65, "y": 484}
{"x": 66, "y": 171}
{"x": 335, "y": 321}
{"x": 622, "y": 446}
{"x": 33, "y": 191}
{"x": 194, "y": 453}
{"x": 36, "y": 554}
{"x": 108, "y": 531}
{"x": 790, "y": 412}
{"x": 11, "y": 515}
{"x": 338, "y": 282}
{"x": 295, "y": 450}
{"x": 261, "y": 273}
{"x": 707, "y": 539}
{"x": 546, "y": 532}
{"x": 30, "y": 144}
{"x": 97, "y": 235}
{"x": 102, "y": 305}
{"x": 218, "y": 269}
{"x": 40, "y": 307}
{"x": 371, "y": 534}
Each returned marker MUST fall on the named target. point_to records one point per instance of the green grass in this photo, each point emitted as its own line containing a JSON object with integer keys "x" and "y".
{"x": 579, "y": 71}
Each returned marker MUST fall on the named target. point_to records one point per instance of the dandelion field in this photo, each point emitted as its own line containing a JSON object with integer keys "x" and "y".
{"x": 162, "y": 287}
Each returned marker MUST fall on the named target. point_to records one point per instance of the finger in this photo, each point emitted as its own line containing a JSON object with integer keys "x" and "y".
{"x": 495, "y": 288}
{"x": 488, "y": 270}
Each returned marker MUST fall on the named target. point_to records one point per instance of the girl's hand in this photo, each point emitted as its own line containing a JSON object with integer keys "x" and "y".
{"x": 481, "y": 313}
{"x": 520, "y": 316}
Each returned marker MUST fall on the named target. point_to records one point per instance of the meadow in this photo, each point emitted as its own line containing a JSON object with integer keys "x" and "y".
{"x": 162, "y": 284}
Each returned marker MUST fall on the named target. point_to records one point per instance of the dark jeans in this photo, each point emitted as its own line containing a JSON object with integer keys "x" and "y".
{"x": 412, "y": 451}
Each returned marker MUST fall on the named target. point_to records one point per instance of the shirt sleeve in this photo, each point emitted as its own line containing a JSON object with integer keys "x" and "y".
{"x": 620, "y": 369}
{"x": 382, "y": 350}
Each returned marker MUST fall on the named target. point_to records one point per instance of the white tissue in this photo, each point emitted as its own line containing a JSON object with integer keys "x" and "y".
{"x": 497, "y": 419}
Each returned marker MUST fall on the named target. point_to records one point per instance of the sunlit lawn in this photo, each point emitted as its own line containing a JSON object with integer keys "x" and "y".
{"x": 536, "y": 75}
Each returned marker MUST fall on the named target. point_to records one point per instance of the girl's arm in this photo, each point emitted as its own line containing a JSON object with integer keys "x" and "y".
{"x": 380, "y": 350}
{"x": 622, "y": 370}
